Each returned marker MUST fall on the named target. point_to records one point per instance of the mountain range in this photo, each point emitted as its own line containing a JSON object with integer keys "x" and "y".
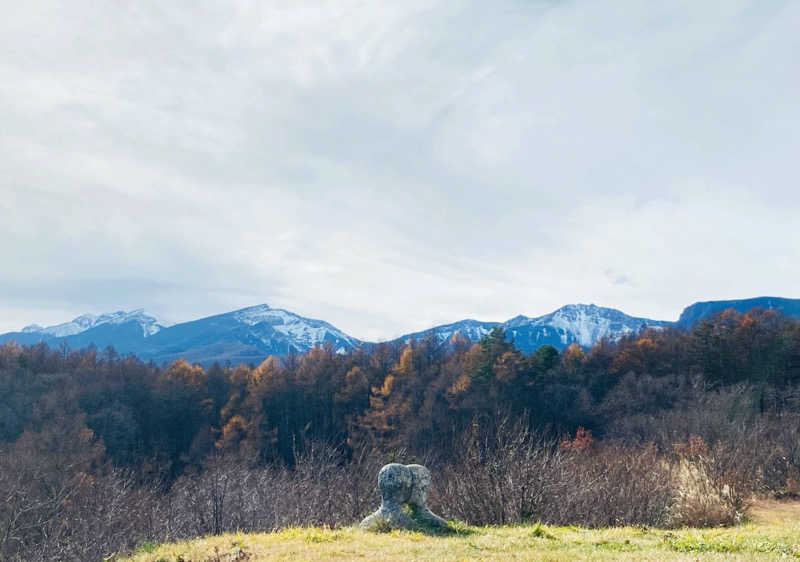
{"x": 251, "y": 334}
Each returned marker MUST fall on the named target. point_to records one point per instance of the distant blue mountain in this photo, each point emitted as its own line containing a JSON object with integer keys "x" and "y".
{"x": 584, "y": 324}
{"x": 251, "y": 334}
{"x": 472, "y": 330}
{"x": 700, "y": 310}
{"x": 243, "y": 336}
{"x": 125, "y": 331}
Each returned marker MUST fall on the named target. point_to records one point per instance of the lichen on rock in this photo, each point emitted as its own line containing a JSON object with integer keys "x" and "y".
{"x": 404, "y": 495}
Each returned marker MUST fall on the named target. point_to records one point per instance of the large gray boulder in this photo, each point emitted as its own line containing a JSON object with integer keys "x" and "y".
{"x": 403, "y": 485}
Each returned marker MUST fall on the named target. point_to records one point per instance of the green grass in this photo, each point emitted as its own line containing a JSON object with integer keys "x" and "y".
{"x": 765, "y": 538}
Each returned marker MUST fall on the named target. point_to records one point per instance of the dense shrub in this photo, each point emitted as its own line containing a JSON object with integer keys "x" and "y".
{"x": 520, "y": 476}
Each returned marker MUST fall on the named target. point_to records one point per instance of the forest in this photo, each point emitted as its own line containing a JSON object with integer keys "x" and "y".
{"x": 101, "y": 453}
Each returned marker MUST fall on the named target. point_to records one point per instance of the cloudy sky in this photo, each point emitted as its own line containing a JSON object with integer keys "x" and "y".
{"x": 387, "y": 166}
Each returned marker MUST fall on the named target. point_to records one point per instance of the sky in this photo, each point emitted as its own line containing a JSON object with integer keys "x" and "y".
{"x": 389, "y": 166}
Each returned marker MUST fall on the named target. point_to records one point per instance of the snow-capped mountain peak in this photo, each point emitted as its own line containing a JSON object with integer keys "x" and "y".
{"x": 304, "y": 332}
{"x": 584, "y": 324}
{"x": 148, "y": 323}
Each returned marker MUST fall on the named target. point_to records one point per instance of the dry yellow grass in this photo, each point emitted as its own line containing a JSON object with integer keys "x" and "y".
{"x": 774, "y": 512}
{"x": 773, "y": 534}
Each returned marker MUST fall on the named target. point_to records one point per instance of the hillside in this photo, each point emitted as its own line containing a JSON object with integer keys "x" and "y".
{"x": 700, "y": 310}
{"x": 774, "y": 533}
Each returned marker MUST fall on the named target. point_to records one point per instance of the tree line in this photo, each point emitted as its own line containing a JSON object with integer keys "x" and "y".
{"x": 413, "y": 396}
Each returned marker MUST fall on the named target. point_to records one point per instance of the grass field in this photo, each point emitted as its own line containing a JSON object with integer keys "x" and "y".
{"x": 772, "y": 533}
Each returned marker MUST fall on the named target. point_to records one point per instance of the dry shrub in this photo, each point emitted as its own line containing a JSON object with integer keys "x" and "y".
{"x": 60, "y": 502}
{"x": 617, "y": 484}
{"x": 505, "y": 476}
{"x": 80, "y": 517}
{"x": 716, "y": 483}
{"x": 779, "y": 450}
{"x": 516, "y": 475}
{"x": 582, "y": 441}
{"x": 500, "y": 475}
{"x": 323, "y": 488}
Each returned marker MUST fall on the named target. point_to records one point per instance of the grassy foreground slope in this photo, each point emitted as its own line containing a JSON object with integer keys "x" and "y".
{"x": 773, "y": 533}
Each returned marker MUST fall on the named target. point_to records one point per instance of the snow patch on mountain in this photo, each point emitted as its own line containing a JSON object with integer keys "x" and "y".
{"x": 589, "y": 323}
{"x": 472, "y": 332}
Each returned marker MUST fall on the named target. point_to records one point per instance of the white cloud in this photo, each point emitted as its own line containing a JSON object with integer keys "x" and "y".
{"x": 386, "y": 165}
